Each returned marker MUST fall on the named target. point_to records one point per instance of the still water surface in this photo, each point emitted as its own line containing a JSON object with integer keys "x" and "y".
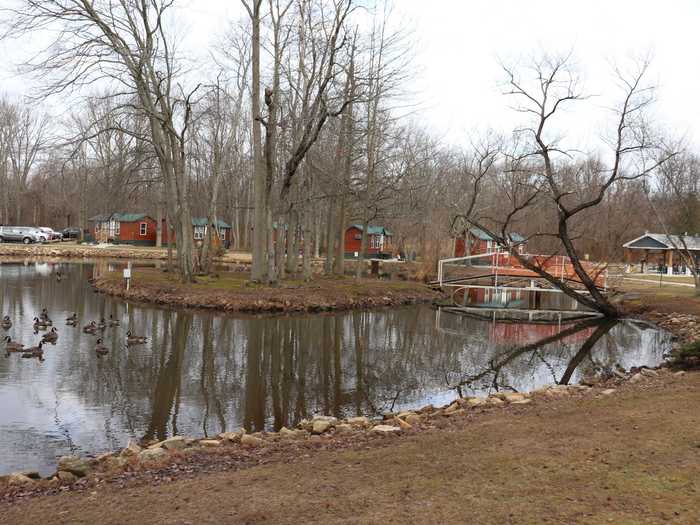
{"x": 200, "y": 374}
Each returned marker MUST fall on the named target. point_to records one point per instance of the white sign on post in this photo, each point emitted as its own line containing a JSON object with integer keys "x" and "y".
{"x": 127, "y": 276}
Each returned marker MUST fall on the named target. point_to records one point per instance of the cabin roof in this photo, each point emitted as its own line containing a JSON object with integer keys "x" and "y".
{"x": 374, "y": 230}
{"x": 481, "y": 234}
{"x": 119, "y": 217}
{"x": 202, "y": 221}
{"x": 661, "y": 241}
{"x": 134, "y": 217}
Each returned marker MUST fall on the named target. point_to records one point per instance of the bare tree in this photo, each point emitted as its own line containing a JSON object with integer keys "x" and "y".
{"x": 125, "y": 44}
{"x": 26, "y": 137}
{"x": 541, "y": 171}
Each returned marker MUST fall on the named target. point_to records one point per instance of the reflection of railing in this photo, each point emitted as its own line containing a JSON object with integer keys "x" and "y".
{"x": 511, "y": 315}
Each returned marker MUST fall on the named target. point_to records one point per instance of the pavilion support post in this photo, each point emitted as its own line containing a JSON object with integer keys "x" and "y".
{"x": 669, "y": 262}
{"x": 644, "y": 261}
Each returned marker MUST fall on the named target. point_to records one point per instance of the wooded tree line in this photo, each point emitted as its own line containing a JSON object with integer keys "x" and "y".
{"x": 299, "y": 128}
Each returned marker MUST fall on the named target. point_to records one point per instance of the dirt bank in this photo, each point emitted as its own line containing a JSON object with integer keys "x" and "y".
{"x": 676, "y": 309}
{"x": 231, "y": 292}
{"x": 631, "y": 456}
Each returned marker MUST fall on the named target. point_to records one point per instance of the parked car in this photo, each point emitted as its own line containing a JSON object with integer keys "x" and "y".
{"x": 71, "y": 233}
{"x": 51, "y": 235}
{"x": 22, "y": 234}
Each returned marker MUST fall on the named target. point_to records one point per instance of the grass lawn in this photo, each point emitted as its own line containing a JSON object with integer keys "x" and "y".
{"x": 664, "y": 297}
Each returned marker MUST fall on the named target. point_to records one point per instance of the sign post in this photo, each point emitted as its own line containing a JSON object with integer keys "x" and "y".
{"x": 127, "y": 276}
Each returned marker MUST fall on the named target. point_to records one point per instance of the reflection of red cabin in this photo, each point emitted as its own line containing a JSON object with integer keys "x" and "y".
{"x": 481, "y": 242}
{"x": 523, "y": 333}
{"x": 378, "y": 243}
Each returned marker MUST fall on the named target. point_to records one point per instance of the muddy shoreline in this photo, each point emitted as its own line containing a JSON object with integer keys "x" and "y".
{"x": 78, "y": 251}
{"x": 323, "y": 295}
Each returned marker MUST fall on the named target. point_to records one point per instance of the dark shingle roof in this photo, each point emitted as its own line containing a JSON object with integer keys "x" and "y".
{"x": 481, "y": 234}
{"x": 662, "y": 241}
{"x": 120, "y": 217}
{"x": 202, "y": 221}
{"x": 374, "y": 230}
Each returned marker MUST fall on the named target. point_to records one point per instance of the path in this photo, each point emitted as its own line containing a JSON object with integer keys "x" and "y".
{"x": 649, "y": 281}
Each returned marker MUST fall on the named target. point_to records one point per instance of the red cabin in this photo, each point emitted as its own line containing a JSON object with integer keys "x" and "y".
{"x": 378, "y": 242}
{"x": 199, "y": 231}
{"x": 124, "y": 228}
{"x": 479, "y": 242}
{"x": 140, "y": 229}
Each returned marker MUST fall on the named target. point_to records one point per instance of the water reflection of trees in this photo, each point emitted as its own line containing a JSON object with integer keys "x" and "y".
{"x": 201, "y": 373}
{"x": 494, "y": 375}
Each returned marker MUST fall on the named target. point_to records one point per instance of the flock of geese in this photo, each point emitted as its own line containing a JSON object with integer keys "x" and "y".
{"x": 44, "y": 322}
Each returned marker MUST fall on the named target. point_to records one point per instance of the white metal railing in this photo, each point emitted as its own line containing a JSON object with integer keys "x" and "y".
{"x": 442, "y": 262}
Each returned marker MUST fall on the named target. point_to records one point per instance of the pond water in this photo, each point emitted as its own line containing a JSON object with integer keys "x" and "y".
{"x": 200, "y": 373}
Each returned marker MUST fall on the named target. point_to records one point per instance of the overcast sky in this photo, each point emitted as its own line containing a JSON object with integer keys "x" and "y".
{"x": 459, "y": 44}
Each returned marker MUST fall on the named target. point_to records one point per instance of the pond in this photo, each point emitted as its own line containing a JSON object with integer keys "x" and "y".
{"x": 200, "y": 373}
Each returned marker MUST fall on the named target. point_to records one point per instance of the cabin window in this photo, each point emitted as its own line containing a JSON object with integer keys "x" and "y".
{"x": 199, "y": 232}
{"x": 376, "y": 241}
{"x": 143, "y": 228}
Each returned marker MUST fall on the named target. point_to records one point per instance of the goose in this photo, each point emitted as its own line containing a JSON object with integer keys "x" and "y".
{"x": 113, "y": 321}
{"x": 12, "y": 346}
{"x": 44, "y": 316}
{"x": 6, "y": 323}
{"x": 100, "y": 349}
{"x": 40, "y": 324}
{"x": 72, "y": 320}
{"x": 50, "y": 337}
{"x": 59, "y": 276}
{"x": 90, "y": 328}
{"x": 34, "y": 351}
{"x": 135, "y": 339}
{"x": 102, "y": 324}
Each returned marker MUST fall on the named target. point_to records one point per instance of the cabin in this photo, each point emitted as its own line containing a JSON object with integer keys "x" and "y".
{"x": 199, "y": 231}
{"x": 140, "y": 229}
{"x": 661, "y": 254}
{"x": 124, "y": 228}
{"x": 378, "y": 242}
{"x": 476, "y": 241}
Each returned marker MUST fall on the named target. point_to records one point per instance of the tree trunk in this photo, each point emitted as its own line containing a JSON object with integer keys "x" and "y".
{"x": 292, "y": 243}
{"x": 307, "y": 244}
{"x": 360, "y": 270}
{"x": 330, "y": 229}
{"x": 159, "y": 225}
{"x": 347, "y": 130}
{"x": 260, "y": 219}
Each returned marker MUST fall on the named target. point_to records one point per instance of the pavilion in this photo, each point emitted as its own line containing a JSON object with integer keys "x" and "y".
{"x": 659, "y": 253}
